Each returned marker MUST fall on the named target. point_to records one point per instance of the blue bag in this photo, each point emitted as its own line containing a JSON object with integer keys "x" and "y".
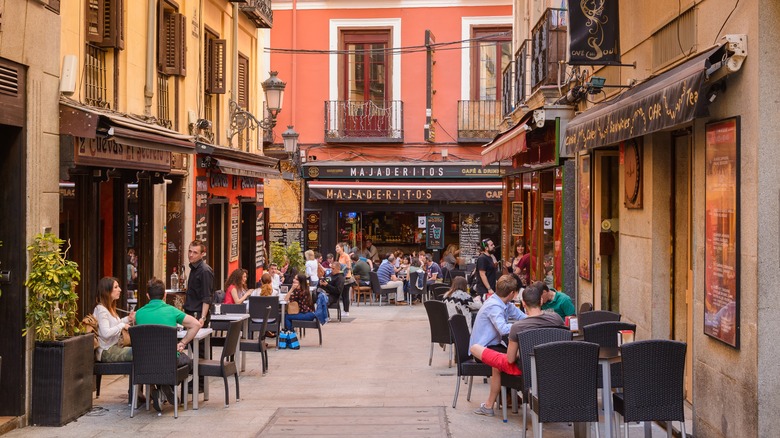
{"x": 292, "y": 341}
{"x": 283, "y": 339}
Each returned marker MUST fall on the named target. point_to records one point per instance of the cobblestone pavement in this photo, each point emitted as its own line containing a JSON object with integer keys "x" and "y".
{"x": 376, "y": 358}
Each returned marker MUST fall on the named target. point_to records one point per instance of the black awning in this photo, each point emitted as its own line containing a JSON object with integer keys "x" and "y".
{"x": 662, "y": 102}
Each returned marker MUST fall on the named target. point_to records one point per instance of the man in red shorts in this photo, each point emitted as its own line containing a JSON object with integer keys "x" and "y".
{"x": 532, "y": 300}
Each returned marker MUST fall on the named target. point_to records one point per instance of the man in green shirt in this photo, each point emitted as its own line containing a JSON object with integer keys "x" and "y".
{"x": 558, "y": 302}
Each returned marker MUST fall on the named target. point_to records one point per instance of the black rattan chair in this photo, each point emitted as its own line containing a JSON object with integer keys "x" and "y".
{"x": 594, "y": 316}
{"x": 440, "y": 328}
{"x": 336, "y": 304}
{"x": 653, "y": 376}
{"x": 413, "y": 289}
{"x": 605, "y": 334}
{"x": 466, "y": 364}
{"x": 258, "y": 346}
{"x": 437, "y": 290}
{"x": 380, "y": 290}
{"x": 257, "y": 306}
{"x": 113, "y": 369}
{"x": 220, "y": 327}
{"x": 226, "y": 365}
{"x": 154, "y": 362}
{"x": 304, "y": 324}
{"x": 585, "y": 307}
{"x": 566, "y": 386}
{"x": 528, "y": 340}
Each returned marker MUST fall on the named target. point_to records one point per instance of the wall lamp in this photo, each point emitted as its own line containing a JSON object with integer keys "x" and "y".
{"x": 597, "y": 84}
{"x": 241, "y": 119}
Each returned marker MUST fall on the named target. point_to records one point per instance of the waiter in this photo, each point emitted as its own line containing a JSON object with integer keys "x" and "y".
{"x": 200, "y": 284}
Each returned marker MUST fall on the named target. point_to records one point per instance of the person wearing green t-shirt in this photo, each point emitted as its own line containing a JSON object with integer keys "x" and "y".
{"x": 556, "y": 301}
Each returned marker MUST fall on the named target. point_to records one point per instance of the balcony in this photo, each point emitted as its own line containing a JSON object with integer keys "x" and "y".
{"x": 478, "y": 120}
{"x": 259, "y": 11}
{"x": 522, "y": 64}
{"x": 364, "y": 122}
{"x": 548, "y": 47}
{"x": 508, "y": 90}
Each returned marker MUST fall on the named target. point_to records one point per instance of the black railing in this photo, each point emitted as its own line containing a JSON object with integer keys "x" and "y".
{"x": 522, "y": 62}
{"x": 260, "y": 12}
{"x": 548, "y": 39}
{"x": 372, "y": 122}
{"x": 95, "y": 73}
{"x": 508, "y": 89}
{"x": 478, "y": 120}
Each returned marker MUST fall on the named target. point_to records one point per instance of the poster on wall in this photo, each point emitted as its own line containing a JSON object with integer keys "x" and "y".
{"x": 721, "y": 231}
{"x": 234, "y": 221}
{"x": 201, "y": 207}
{"x": 434, "y": 238}
{"x": 260, "y": 255}
{"x": 584, "y": 229}
{"x": 518, "y": 221}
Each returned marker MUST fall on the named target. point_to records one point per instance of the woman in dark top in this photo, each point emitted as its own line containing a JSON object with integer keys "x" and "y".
{"x": 300, "y": 294}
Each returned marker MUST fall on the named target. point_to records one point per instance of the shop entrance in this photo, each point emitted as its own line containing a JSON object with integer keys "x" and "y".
{"x": 681, "y": 279}
{"x": 247, "y": 239}
{"x": 216, "y": 247}
{"x": 606, "y": 206}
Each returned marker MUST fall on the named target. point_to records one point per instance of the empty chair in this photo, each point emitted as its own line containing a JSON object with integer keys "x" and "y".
{"x": 226, "y": 365}
{"x": 437, "y": 290}
{"x": 457, "y": 273}
{"x": 466, "y": 364}
{"x": 154, "y": 362}
{"x": 653, "y": 374}
{"x": 413, "y": 289}
{"x": 114, "y": 369}
{"x": 528, "y": 341}
{"x": 440, "y": 328}
{"x": 380, "y": 290}
{"x": 257, "y": 307}
{"x": 565, "y": 386}
{"x": 605, "y": 334}
{"x": 220, "y": 327}
{"x": 594, "y": 316}
{"x": 258, "y": 346}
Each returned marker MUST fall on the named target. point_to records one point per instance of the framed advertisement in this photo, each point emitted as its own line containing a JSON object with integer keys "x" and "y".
{"x": 584, "y": 218}
{"x": 721, "y": 231}
{"x": 518, "y": 222}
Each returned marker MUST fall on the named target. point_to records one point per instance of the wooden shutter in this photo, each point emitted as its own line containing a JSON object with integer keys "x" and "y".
{"x": 216, "y": 67}
{"x": 94, "y": 23}
{"x": 171, "y": 48}
{"x": 112, "y": 24}
{"x": 53, "y": 5}
{"x": 243, "y": 82}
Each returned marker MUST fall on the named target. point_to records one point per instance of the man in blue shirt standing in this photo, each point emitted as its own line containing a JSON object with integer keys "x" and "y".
{"x": 386, "y": 274}
{"x": 491, "y": 324}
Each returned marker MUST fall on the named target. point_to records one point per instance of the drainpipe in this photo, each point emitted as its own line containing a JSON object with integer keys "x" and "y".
{"x": 151, "y": 31}
{"x": 234, "y": 82}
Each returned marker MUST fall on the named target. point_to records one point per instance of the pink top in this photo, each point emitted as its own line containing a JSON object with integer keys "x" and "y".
{"x": 229, "y": 295}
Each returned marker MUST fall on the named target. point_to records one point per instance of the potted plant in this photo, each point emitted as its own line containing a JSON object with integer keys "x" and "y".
{"x": 63, "y": 361}
{"x": 290, "y": 256}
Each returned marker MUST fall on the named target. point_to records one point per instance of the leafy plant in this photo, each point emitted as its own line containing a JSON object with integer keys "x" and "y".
{"x": 52, "y": 290}
{"x": 291, "y": 254}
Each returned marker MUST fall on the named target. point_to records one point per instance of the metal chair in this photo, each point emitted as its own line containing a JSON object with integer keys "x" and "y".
{"x": 566, "y": 388}
{"x": 378, "y": 289}
{"x": 413, "y": 289}
{"x": 605, "y": 334}
{"x": 528, "y": 341}
{"x": 337, "y": 303}
{"x": 437, "y": 290}
{"x": 594, "y": 316}
{"x": 226, "y": 365}
{"x": 466, "y": 364}
{"x": 154, "y": 362}
{"x": 220, "y": 327}
{"x": 653, "y": 380}
{"x": 112, "y": 369}
{"x": 304, "y": 324}
{"x": 259, "y": 345}
{"x": 440, "y": 329}
{"x": 257, "y": 306}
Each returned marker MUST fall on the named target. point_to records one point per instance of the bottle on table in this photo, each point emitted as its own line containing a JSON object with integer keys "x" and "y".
{"x": 174, "y": 285}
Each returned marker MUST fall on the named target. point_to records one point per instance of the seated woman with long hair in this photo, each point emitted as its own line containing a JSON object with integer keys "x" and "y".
{"x": 235, "y": 287}
{"x": 110, "y": 325}
{"x": 459, "y": 301}
{"x": 300, "y": 294}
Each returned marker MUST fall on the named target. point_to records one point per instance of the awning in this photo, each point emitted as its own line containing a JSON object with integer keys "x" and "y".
{"x": 665, "y": 101}
{"x": 403, "y": 191}
{"x": 506, "y": 144}
{"x": 245, "y": 169}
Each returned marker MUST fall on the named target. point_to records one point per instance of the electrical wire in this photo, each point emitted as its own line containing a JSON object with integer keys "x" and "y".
{"x": 724, "y": 23}
{"x": 445, "y": 131}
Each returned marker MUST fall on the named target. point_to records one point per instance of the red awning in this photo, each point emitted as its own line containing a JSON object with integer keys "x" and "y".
{"x": 506, "y": 144}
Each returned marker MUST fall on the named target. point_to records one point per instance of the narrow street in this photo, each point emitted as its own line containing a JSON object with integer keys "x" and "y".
{"x": 370, "y": 378}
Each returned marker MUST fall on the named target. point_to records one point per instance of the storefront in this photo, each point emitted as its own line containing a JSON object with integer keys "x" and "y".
{"x": 539, "y": 189}
{"x": 112, "y": 170}
{"x": 402, "y": 206}
{"x": 229, "y": 209}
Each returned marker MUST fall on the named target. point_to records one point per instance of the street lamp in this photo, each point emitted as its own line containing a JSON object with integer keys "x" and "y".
{"x": 241, "y": 118}
{"x": 290, "y": 138}
{"x": 273, "y": 87}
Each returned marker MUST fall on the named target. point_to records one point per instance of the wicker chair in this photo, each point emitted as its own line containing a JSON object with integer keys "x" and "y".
{"x": 226, "y": 365}
{"x": 566, "y": 386}
{"x": 257, "y": 307}
{"x": 304, "y": 324}
{"x": 654, "y": 372}
{"x": 466, "y": 364}
{"x": 437, "y": 290}
{"x": 605, "y": 334}
{"x": 413, "y": 289}
{"x": 528, "y": 340}
{"x": 585, "y": 307}
{"x": 440, "y": 329}
{"x": 112, "y": 369}
{"x": 380, "y": 290}
{"x": 258, "y": 346}
{"x": 594, "y": 316}
{"x": 154, "y": 362}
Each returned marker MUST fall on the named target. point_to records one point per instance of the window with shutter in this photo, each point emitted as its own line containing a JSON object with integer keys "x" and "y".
{"x": 171, "y": 48}
{"x": 181, "y": 43}
{"x": 216, "y": 56}
{"x": 112, "y": 24}
{"x": 243, "y": 81}
{"x": 94, "y": 23}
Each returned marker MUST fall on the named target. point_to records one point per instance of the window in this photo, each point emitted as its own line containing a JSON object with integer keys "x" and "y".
{"x": 163, "y": 101}
{"x": 491, "y": 54}
{"x": 366, "y": 66}
{"x": 171, "y": 41}
{"x": 215, "y": 63}
{"x": 105, "y": 23}
{"x": 95, "y": 88}
{"x": 243, "y": 81}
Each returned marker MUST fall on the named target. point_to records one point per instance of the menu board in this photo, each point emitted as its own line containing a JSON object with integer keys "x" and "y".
{"x": 517, "y": 219}
{"x": 201, "y": 207}
{"x": 234, "y": 221}
{"x": 285, "y": 233}
{"x": 470, "y": 236}
{"x": 259, "y": 239}
{"x": 313, "y": 230}
{"x": 434, "y": 238}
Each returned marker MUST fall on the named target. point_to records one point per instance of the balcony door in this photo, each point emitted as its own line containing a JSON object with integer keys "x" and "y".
{"x": 492, "y": 52}
{"x": 366, "y": 84}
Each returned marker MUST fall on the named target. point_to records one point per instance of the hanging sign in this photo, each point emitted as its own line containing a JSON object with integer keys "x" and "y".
{"x": 594, "y": 31}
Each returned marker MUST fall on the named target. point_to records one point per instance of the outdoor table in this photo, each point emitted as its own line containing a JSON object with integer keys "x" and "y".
{"x": 245, "y": 331}
{"x": 204, "y": 333}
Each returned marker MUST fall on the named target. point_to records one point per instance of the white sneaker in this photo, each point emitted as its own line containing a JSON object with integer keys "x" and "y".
{"x": 344, "y": 314}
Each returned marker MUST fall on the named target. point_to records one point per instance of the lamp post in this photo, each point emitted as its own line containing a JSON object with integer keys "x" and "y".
{"x": 241, "y": 118}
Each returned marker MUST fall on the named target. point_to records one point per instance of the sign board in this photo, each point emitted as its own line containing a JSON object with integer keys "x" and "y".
{"x": 470, "y": 236}
{"x": 234, "y": 221}
{"x": 312, "y": 230}
{"x": 434, "y": 238}
{"x": 260, "y": 254}
{"x": 286, "y": 233}
{"x": 518, "y": 224}
{"x": 201, "y": 207}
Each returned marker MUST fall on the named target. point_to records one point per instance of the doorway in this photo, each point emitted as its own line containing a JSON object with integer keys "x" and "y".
{"x": 247, "y": 241}
{"x": 606, "y": 205}
{"x": 216, "y": 248}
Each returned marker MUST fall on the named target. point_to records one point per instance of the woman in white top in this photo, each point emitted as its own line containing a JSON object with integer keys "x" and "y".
{"x": 109, "y": 324}
{"x": 459, "y": 301}
{"x": 311, "y": 268}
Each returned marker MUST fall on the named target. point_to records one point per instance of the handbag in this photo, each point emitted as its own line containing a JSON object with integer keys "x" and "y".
{"x": 293, "y": 308}
{"x": 292, "y": 341}
{"x": 124, "y": 340}
{"x": 283, "y": 336}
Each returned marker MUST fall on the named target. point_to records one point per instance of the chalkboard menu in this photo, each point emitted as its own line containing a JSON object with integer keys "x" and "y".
{"x": 286, "y": 233}
{"x": 434, "y": 238}
{"x": 517, "y": 219}
{"x": 234, "y": 220}
{"x": 259, "y": 240}
{"x": 470, "y": 236}
{"x": 201, "y": 207}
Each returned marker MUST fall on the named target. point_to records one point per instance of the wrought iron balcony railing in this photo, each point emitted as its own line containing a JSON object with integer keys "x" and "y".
{"x": 522, "y": 67}
{"x": 260, "y": 12}
{"x": 367, "y": 122}
{"x": 478, "y": 120}
{"x": 508, "y": 89}
{"x": 548, "y": 39}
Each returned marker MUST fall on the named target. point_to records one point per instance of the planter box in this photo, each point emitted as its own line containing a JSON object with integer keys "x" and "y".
{"x": 62, "y": 380}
